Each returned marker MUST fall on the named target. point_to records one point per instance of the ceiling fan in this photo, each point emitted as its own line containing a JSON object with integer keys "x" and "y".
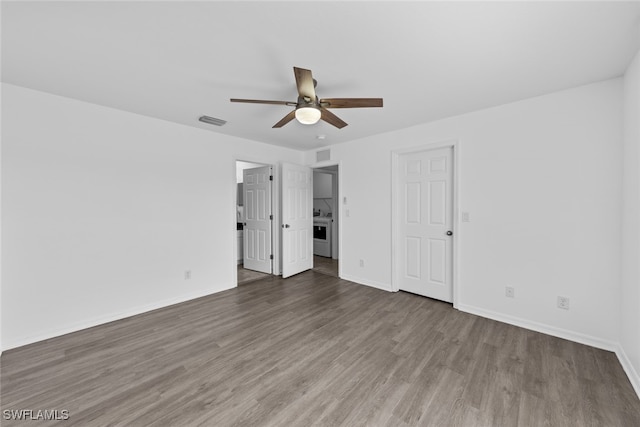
{"x": 309, "y": 109}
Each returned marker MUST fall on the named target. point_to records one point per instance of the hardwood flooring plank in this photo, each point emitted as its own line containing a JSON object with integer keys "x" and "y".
{"x": 536, "y": 412}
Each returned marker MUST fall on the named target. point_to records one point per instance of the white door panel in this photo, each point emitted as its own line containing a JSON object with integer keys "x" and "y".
{"x": 257, "y": 212}
{"x": 425, "y": 196}
{"x": 297, "y": 220}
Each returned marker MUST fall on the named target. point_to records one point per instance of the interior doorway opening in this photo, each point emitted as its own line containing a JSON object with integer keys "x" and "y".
{"x": 326, "y": 220}
{"x": 254, "y": 221}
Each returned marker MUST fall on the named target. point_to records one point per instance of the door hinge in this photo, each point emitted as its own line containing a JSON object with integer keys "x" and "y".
{"x": 271, "y": 256}
{"x": 270, "y": 177}
{"x": 271, "y": 217}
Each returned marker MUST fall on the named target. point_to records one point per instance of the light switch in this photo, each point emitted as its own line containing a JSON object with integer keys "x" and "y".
{"x": 465, "y": 217}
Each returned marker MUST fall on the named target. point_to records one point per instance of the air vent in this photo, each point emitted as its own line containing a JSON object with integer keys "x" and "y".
{"x": 323, "y": 155}
{"x": 212, "y": 120}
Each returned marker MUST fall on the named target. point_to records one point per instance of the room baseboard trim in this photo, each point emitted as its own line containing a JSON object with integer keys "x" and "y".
{"x": 367, "y": 282}
{"x": 541, "y": 327}
{"x": 97, "y": 321}
{"x": 632, "y": 374}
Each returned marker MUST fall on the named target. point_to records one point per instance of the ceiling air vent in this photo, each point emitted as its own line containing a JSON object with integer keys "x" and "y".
{"x": 323, "y": 155}
{"x": 212, "y": 120}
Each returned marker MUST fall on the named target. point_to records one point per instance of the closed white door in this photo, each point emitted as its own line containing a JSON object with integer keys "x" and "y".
{"x": 297, "y": 219}
{"x": 257, "y": 222}
{"x": 425, "y": 214}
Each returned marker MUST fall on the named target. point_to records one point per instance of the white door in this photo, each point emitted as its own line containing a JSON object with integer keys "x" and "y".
{"x": 257, "y": 222}
{"x": 424, "y": 242}
{"x": 297, "y": 219}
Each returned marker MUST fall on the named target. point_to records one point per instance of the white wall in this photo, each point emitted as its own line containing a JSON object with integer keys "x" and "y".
{"x": 103, "y": 211}
{"x": 323, "y": 192}
{"x": 1, "y": 261}
{"x": 541, "y": 179}
{"x": 241, "y": 166}
{"x": 630, "y": 336}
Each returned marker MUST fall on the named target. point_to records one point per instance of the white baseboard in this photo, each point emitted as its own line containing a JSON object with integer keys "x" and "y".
{"x": 541, "y": 327}
{"x": 632, "y": 374}
{"x": 90, "y": 323}
{"x": 367, "y": 282}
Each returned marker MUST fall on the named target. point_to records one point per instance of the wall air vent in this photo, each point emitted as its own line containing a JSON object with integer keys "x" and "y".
{"x": 212, "y": 120}
{"x": 323, "y": 155}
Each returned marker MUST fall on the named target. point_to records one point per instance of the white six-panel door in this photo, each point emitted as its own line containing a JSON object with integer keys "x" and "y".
{"x": 425, "y": 220}
{"x": 257, "y": 213}
{"x": 297, "y": 219}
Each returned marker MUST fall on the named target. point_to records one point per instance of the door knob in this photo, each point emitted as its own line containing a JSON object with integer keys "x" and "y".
{"x": 449, "y": 233}
{"x": 285, "y": 225}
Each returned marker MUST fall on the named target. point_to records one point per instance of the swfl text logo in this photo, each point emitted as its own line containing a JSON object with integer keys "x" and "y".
{"x": 35, "y": 415}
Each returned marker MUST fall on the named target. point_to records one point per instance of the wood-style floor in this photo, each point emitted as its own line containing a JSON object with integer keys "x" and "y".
{"x": 325, "y": 265}
{"x": 316, "y": 350}
{"x": 246, "y": 276}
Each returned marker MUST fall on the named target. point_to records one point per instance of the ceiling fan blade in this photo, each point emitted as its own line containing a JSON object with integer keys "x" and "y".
{"x": 261, "y": 101}
{"x": 304, "y": 82}
{"x": 331, "y": 118}
{"x": 350, "y": 102}
{"x": 286, "y": 119}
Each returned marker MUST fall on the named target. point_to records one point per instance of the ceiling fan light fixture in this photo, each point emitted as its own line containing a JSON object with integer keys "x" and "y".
{"x": 309, "y": 109}
{"x": 308, "y": 115}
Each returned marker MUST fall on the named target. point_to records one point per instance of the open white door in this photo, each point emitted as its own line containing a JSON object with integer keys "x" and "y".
{"x": 257, "y": 222}
{"x": 297, "y": 219}
{"x": 425, "y": 208}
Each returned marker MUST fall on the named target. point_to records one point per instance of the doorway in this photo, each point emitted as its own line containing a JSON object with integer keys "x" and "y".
{"x": 424, "y": 200}
{"x": 326, "y": 220}
{"x": 254, "y": 221}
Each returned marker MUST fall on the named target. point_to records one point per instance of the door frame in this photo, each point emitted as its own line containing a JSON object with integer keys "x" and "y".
{"x": 338, "y": 205}
{"x": 335, "y": 198}
{"x": 395, "y": 214}
{"x": 275, "y": 210}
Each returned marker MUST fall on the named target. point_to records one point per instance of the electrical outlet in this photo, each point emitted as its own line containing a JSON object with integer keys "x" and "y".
{"x": 563, "y": 303}
{"x": 509, "y": 292}
{"x": 187, "y": 274}
{"x": 361, "y": 263}
{"x": 465, "y": 217}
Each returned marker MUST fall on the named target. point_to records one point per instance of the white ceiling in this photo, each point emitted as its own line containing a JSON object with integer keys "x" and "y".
{"x": 429, "y": 60}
